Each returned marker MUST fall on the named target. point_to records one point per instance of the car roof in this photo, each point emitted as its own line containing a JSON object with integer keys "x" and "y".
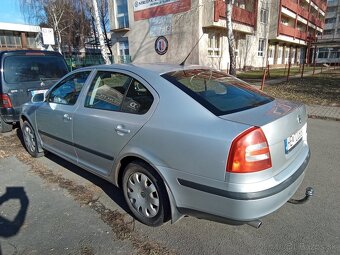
{"x": 23, "y": 52}
{"x": 158, "y": 68}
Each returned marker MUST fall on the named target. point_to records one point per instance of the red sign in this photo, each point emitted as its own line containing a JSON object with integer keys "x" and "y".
{"x": 159, "y": 8}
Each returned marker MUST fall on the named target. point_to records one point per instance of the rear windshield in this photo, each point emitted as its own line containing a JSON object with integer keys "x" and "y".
{"x": 217, "y": 91}
{"x": 33, "y": 68}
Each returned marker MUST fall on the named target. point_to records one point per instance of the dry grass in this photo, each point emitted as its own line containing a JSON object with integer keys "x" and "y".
{"x": 321, "y": 89}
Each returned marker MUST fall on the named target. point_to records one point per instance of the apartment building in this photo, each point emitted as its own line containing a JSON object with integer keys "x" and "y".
{"x": 294, "y": 26}
{"x": 18, "y": 36}
{"x": 328, "y": 44}
{"x": 266, "y": 31}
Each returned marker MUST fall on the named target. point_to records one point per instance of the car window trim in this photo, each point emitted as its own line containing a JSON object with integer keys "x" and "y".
{"x": 63, "y": 79}
{"x": 127, "y": 73}
{"x": 210, "y": 107}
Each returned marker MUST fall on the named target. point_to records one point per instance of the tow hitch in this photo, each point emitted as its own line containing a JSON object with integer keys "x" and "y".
{"x": 309, "y": 193}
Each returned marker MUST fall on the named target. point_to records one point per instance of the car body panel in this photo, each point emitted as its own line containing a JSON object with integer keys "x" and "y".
{"x": 188, "y": 146}
{"x": 106, "y": 145}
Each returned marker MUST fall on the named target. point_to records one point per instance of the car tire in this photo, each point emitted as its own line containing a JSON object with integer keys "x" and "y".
{"x": 30, "y": 140}
{"x": 5, "y": 127}
{"x": 145, "y": 194}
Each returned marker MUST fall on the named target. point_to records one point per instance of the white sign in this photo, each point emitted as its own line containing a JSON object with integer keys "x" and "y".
{"x": 48, "y": 36}
{"x": 160, "y": 25}
{"x": 146, "y": 4}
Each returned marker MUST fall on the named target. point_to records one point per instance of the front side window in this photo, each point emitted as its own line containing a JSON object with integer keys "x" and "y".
{"x": 118, "y": 92}
{"x": 68, "y": 90}
{"x": 217, "y": 91}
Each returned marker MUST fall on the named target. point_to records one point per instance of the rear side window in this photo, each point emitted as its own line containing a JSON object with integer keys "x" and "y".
{"x": 217, "y": 91}
{"x": 33, "y": 68}
{"x": 118, "y": 92}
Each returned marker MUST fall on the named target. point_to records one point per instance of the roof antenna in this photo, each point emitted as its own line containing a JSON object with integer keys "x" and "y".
{"x": 182, "y": 64}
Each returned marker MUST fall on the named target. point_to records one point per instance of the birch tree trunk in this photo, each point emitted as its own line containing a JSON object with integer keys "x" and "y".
{"x": 103, "y": 49}
{"x": 230, "y": 36}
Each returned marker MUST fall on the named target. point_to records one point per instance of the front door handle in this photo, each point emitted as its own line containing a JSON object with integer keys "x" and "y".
{"x": 121, "y": 130}
{"x": 67, "y": 117}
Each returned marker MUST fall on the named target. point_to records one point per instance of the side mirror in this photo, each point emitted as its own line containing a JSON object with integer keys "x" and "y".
{"x": 40, "y": 97}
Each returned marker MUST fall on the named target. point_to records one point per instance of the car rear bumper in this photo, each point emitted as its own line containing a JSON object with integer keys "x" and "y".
{"x": 10, "y": 115}
{"x": 206, "y": 201}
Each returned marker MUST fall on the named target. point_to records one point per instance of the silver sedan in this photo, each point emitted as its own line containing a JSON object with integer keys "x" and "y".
{"x": 178, "y": 140}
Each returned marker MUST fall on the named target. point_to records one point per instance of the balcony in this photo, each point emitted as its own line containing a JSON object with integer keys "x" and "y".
{"x": 292, "y": 32}
{"x": 296, "y": 8}
{"x": 291, "y": 5}
{"x": 239, "y": 15}
{"x": 322, "y": 4}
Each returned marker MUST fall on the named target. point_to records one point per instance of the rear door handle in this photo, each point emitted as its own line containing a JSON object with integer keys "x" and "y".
{"x": 121, "y": 130}
{"x": 67, "y": 117}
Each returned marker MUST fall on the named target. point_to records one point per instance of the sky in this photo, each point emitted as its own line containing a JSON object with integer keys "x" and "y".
{"x": 10, "y": 12}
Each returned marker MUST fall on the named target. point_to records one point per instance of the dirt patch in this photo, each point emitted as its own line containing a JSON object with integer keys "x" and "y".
{"x": 121, "y": 224}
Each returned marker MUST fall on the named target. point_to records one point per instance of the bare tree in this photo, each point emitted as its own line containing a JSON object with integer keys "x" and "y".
{"x": 66, "y": 17}
{"x": 51, "y": 12}
{"x": 230, "y": 36}
{"x": 96, "y": 16}
{"x": 104, "y": 20}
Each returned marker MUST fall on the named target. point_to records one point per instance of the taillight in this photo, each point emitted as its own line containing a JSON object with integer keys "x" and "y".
{"x": 5, "y": 101}
{"x": 249, "y": 152}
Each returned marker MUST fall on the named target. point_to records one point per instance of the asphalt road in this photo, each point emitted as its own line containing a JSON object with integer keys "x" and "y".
{"x": 48, "y": 206}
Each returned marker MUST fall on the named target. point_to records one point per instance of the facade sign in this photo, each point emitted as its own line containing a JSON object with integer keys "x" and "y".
{"x": 48, "y": 36}
{"x": 160, "y": 25}
{"x": 161, "y": 45}
{"x": 146, "y": 9}
{"x": 146, "y": 4}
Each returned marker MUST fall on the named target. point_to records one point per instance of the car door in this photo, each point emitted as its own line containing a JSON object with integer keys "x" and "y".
{"x": 116, "y": 106}
{"x": 55, "y": 116}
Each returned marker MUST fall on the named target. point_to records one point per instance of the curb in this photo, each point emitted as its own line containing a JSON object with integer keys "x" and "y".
{"x": 313, "y": 116}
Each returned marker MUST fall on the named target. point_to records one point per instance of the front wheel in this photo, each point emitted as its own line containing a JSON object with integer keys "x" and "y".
{"x": 30, "y": 140}
{"x": 145, "y": 194}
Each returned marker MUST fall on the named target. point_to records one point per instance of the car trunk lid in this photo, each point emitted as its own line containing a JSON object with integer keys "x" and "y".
{"x": 284, "y": 125}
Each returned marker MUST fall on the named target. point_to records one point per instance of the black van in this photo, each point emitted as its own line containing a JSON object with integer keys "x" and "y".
{"x": 23, "y": 74}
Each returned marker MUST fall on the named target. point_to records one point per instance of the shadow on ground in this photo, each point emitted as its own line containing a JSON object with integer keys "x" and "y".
{"x": 111, "y": 190}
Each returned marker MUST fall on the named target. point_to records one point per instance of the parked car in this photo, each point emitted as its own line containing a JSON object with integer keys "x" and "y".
{"x": 25, "y": 73}
{"x": 177, "y": 140}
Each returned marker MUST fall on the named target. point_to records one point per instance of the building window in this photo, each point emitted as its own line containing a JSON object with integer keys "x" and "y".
{"x": 122, "y": 14}
{"x": 328, "y": 32}
{"x": 338, "y": 31}
{"x": 10, "y": 39}
{"x": 335, "y": 53}
{"x": 330, "y": 20}
{"x": 323, "y": 53}
{"x": 262, "y": 44}
{"x": 271, "y": 53}
{"x": 264, "y": 16}
{"x": 331, "y": 9}
{"x": 124, "y": 52}
{"x": 284, "y": 21}
{"x": 214, "y": 45}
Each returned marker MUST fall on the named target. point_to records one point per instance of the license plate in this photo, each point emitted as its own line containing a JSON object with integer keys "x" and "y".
{"x": 294, "y": 139}
{"x": 40, "y": 91}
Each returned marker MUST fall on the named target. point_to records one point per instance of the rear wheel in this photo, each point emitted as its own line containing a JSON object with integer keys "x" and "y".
{"x": 30, "y": 140}
{"x": 145, "y": 194}
{"x": 5, "y": 127}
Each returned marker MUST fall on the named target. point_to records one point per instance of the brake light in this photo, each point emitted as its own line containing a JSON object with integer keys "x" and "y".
{"x": 249, "y": 152}
{"x": 5, "y": 101}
